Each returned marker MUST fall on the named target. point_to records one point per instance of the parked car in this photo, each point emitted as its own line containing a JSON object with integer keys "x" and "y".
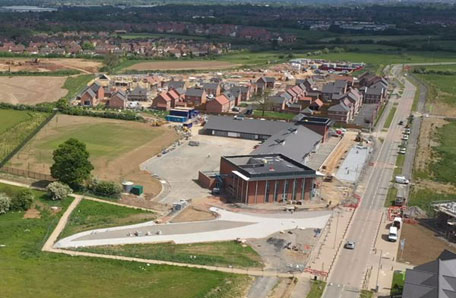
{"x": 193, "y": 143}
{"x": 350, "y": 245}
{"x": 397, "y": 222}
{"x": 407, "y": 131}
{"x": 403, "y": 150}
{"x": 399, "y": 201}
{"x": 392, "y": 236}
{"x": 405, "y": 137}
{"x": 401, "y": 122}
{"x": 401, "y": 180}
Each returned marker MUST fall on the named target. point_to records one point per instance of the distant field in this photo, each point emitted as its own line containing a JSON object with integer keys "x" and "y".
{"x": 116, "y": 147}
{"x": 31, "y": 89}
{"x": 181, "y": 65}
{"x": 15, "y": 126}
{"x": 28, "y": 272}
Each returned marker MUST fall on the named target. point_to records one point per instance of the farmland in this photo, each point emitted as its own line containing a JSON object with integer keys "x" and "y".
{"x": 28, "y": 272}
{"x": 216, "y": 253}
{"x": 44, "y": 65}
{"x": 15, "y": 126}
{"x": 31, "y": 89}
{"x": 116, "y": 147}
{"x": 91, "y": 215}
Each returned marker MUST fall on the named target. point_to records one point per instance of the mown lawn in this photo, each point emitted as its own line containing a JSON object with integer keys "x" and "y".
{"x": 227, "y": 253}
{"x": 91, "y": 215}
{"x": 15, "y": 126}
{"x": 424, "y": 197}
{"x": 27, "y": 272}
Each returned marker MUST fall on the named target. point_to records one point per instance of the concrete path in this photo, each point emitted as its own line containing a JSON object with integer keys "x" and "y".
{"x": 227, "y": 226}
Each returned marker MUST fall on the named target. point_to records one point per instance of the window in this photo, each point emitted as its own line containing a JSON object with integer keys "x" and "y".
{"x": 266, "y": 192}
{"x": 285, "y": 191}
{"x": 276, "y": 191}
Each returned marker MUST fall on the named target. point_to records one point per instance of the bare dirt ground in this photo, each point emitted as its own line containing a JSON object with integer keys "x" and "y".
{"x": 192, "y": 213}
{"x": 181, "y": 65}
{"x": 280, "y": 250}
{"x": 31, "y": 89}
{"x": 32, "y": 213}
{"x": 335, "y": 159}
{"x": 416, "y": 237}
{"x": 48, "y": 64}
{"x": 123, "y": 167}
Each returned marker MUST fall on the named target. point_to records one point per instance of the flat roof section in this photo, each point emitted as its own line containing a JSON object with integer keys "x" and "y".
{"x": 256, "y": 167}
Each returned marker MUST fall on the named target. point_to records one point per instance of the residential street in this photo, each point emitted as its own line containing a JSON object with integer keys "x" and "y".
{"x": 348, "y": 274}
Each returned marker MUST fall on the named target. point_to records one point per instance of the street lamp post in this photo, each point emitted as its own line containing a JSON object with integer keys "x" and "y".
{"x": 378, "y": 271}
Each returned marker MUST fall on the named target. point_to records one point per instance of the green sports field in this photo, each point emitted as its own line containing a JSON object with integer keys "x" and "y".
{"x": 27, "y": 272}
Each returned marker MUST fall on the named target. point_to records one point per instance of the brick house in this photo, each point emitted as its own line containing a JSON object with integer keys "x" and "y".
{"x": 162, "y": 101}
{"x": 264, "y": 83}
{"x": 333, "y": 89}
{"x": 220, "y": 104}
{"x": 340, "y": 113}
{"x": 212, "y": 88}
{"x": 118, "y": 100}
{"x": 91, "y": 96}
{"x": 139, "y": 94}
{"x": 195, "y": 96}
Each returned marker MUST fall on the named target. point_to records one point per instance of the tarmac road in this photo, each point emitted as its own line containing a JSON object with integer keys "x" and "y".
{"x": 347, "y": 276}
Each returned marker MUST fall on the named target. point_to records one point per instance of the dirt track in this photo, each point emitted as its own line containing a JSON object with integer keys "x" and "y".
{"x": 181, "y": 65}
{"x": 31, "y": 89}
{"x": 48, "y": 64}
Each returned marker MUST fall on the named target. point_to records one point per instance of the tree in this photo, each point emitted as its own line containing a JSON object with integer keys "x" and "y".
{"x": 58, "y": 191}
{"x": 264, "y": 101}
{"x": 5, "y": 203}
{"x": 71, "y": 163}
{"x": 23, "y": 200}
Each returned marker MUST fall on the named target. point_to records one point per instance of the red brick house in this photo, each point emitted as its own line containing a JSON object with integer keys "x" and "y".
{"x": 195, "y": 96}
{"x": 91, "y": 96}
{"x": 212, "y": 88}
{"x": 339, "y": 113}
{"x": 118, "y": 100}
{"x": 220, "y": 104}
{"x": 162, "y": 101}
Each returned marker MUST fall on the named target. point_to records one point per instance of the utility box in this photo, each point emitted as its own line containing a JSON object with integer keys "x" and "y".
{"x": 137, "y": 190}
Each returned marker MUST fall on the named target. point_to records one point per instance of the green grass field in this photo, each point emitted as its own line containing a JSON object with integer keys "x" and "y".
{"x": 216, "y": 253}
{"x": 15, "y": 126}
{"x": 103, "y": 140}
{"x": 441, "y": 87}
{"x": 91, "y": 215}
{"x": 444, "y": 167}
{"x": 27, "y": 272}
{"x": 391, "y": 196}
{"x": 423, "y": 197}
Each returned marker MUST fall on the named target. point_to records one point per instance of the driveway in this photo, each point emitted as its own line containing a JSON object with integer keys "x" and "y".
{"x": 178, "y": 169}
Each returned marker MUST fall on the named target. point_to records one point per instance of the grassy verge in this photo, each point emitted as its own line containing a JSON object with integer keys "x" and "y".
{"x": 399, "y": 165}
{"x": 93, "y": 215}
{"x": 379, "y": 116}
{"x": 28, "y": 272}
{"x": 226, "y": 253}
{"x": 416, "y": 98}
{"x": 391, "y": 196}
{"x": 274, "y": 115}
{"x": 75, "y": 84}
{"x": 390, "y": 117}
{"x": 397, "y": 285}
{"x": 366, "y": 294}
{"x": 317, "y": 289}
{"x": 15, "y": 127}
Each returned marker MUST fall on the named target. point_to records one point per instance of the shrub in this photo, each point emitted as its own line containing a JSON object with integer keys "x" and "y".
{"x": 58, "y": 191}
{"x": 5, "y": 203}
{"x": 22, "y": 200}
{"x": 106, "y": 189}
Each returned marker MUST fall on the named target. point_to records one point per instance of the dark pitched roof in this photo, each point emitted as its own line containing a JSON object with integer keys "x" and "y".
{"x": 176, "y": 84}
{"x": 194, "y": 92}
{"x": 338, "y": 108}
{"x": 250, "y": 126}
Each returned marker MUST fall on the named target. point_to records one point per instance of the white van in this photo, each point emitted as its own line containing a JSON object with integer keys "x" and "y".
{"x": 392, "y": 236}
{"x": 402, "y": 180}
